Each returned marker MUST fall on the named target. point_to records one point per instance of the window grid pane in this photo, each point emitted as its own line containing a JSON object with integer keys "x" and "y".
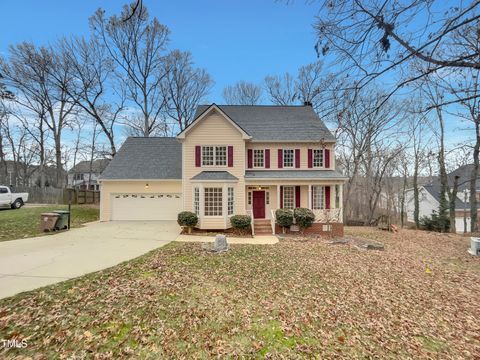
{"x": 267, "y": 197}
{"x": 230, "y": 201}
{"x": 288, "y": 197}
{"x": 196, "y": 201}
{"x": 258, "y": 158}
{"x": 249, "y": 198}
{"x": 207, "y": 155}
{"x": 318, "y": 158}
{"x": 213, "y": 201}
{"x": 288, "y": 158}
{"x": 317, "y": 197}
{"x": 220, "y": 155}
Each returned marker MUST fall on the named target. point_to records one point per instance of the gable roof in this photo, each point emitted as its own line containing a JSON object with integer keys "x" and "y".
{"x": 84, "y": 166}
{"x": 271, "y": 123}
{"x": 152, "y": 158}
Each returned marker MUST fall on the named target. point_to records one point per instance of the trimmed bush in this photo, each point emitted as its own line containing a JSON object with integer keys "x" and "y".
{"x": 284, "y": 218}
{"x": 240, "y": 222}
{"x": 304, "y": 217}
{"x": 187, "y": 219}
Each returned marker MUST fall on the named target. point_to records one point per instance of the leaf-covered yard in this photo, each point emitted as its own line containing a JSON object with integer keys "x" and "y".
{"x": 417, "y": 299}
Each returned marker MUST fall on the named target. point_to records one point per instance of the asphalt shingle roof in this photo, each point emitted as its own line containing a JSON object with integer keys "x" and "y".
{"x": 294, "y": 174}
{"x": 84, "y": 166}
{"x": 214, "y": 175}
{"x": 276, "y": 123}
{"x": 146, "y": 158}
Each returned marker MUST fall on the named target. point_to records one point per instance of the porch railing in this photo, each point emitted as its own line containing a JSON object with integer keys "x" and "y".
{"x": 272, "y": 221}
{"x": 328, "y": 215}
{"x": 252, "y": 221}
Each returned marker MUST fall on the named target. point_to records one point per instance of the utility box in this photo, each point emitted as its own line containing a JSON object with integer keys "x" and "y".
{"x": 48, "y": 221}
{"x": 474, "y": 246}
{"x": 62, "y": 222}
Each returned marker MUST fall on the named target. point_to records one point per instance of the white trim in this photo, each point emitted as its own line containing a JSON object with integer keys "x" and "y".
{"x": 143, "y": 180}
{"x": 293, "y": 141}
{"x": 212, "y": 181}
{"x": 295, "y": 179}
{"x": 212, "y": 107}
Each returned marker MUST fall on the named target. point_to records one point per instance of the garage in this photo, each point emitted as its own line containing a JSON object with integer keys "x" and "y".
{"x": 146, "y": 206}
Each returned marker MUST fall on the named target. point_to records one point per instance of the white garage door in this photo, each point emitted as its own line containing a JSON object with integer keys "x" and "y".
{"x": 138, "y": 206}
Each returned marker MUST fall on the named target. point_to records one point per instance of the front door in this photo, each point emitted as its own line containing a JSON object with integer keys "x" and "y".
{"x": 259, "y": 204}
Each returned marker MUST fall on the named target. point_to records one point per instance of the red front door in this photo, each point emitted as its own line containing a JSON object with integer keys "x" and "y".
{"x": 259, "y": 204}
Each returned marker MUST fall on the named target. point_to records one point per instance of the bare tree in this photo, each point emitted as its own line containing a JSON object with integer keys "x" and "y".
{"x": 97, "y": 92}
{"x": 281, "y": 89}
{"x": 137, "y": 45}
{"x": 372, "y": 39}
{"x": 242, "y": 93}
{"x": 184, "y": 87}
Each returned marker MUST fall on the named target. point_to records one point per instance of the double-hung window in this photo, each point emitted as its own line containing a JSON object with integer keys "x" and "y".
{"x": 213, "y": 201}
{"x": 288, "y": 197}
{"x": 317, "y": 157}
{"x": 214, "y": 155}
{"x": 230, "y": 201}
{"x": 318, "y": 197}
{"x": 288, "y": 158}
{"x": 258, "y": 158}
{"x": 196, "y": 201}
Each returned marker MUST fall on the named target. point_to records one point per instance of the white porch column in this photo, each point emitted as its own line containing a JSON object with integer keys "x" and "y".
{"x": 340, "y": 196}
{"x": 310, "y": 196}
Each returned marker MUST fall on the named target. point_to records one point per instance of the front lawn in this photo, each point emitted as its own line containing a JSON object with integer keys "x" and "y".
{"x": 25, "y": 222}
{"x": 419, "y": 298}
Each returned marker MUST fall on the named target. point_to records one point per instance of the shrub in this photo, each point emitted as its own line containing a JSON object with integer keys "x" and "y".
{"x": 188, "y": 219}
{"x": 435, "y": 222}
{"x": 304, "y": 218}
{"x": 241, "y": 222}
{"x": 284, "y": 218}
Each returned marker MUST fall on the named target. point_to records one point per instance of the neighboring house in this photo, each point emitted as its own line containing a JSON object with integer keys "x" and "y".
{"x": 232, "y": 159}
{"x": 23, "y": 175}
{"x": 85, "y": 176}
{"x": 429, "y": 196}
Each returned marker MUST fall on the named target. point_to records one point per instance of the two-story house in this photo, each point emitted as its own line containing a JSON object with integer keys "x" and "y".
{"x": 232, "y": 159}
{"x": 85, "y": 174}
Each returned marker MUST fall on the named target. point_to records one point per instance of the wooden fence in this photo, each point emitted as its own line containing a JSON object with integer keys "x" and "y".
{"x": 50, "y": 195}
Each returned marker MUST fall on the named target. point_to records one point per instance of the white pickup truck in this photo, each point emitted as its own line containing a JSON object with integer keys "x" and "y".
{"x": 12, "y": 200}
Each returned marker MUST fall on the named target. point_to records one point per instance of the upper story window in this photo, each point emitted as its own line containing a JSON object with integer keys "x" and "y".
{"x": 214, "y": 155}
{"x": 288, "y": 158}
{"x": 78, "y": 177}
{"x": 258, "y": 158}
{"x": 318, "y": 158}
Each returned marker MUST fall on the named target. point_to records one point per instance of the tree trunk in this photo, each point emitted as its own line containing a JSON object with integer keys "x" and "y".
{"x": 416, "y": 197}
{"x": 453, "y": 197}
{"x": 58, "y": 162}
{"x": 444, "y": 207}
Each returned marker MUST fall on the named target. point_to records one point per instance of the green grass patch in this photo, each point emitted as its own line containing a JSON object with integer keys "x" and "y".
{"x": 25, "y": 222}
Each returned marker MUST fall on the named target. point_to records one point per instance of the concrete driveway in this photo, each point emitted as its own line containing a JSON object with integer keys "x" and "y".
{"x": 27, "y": 264}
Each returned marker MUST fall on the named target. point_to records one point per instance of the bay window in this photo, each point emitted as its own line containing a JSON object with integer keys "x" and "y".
{"x": 213, "y": 201}
{"x": 230, "y": 201}
{"x": 196, "y": 201}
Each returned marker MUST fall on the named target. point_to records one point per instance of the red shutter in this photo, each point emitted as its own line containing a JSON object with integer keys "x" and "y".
{"x": 198, "y": 156}
{"x": 280, "y": 158}
{"x": 297, "y": 158}
{"x": 249, "y": 158}
{"x": 267, "y": 158}
{"x": 281, "y": 197}
{"x": 327, "y": 158}
{"x": 297, "y": 196}
{"x": 230, "y": 156}
{"x": 310, "y": 158}
{"x": 327, "y": 197}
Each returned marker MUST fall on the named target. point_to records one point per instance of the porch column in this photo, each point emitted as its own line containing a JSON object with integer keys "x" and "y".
{"x": 310, "y": 196}
{"x": 340, "y": 197}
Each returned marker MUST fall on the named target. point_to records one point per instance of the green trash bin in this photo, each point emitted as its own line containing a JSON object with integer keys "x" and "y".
{"x": 62, "y": 222}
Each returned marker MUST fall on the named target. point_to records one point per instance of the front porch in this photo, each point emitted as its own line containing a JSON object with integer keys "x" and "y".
{"x": 323, "y": 198}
